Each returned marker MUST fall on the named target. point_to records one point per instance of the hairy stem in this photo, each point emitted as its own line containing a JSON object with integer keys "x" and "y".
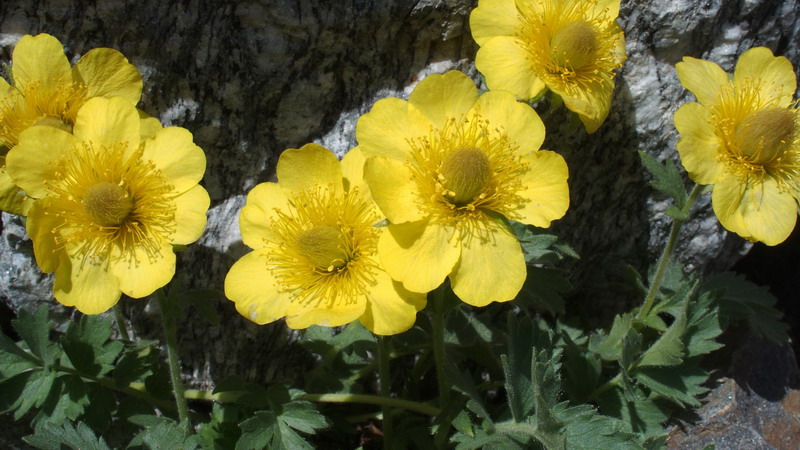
{"x": 171, "y": 336}
{"x": 663, "y": 261}
{"x": 120, "y": 318}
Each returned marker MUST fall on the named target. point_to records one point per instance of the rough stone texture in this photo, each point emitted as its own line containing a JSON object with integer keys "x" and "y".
{"x": 756, "y": 407}
{"x": 252, "y": 78}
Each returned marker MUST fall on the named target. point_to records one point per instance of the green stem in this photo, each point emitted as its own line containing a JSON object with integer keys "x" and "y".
{"x": 171, "y": 336}
{"x": 120, "y": 318}
{"x": 385, "y": 381}
{"x": 421, "y": 408}
{"x": 438, "y": 322}
{"x": 663, "y": 261}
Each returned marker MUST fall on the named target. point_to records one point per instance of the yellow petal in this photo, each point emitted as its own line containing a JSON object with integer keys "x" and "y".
{"x": 5, "y": 88}
{"x": 442, "y": 97}
{"x": 491, "y": 269}
{"x": 547, "y": 192}
{"x": 699, "y": 145}
{"x": 325, "y": 313}
{"x": 108, "y": 122}
{"x": 769, "y": 214}
{"x": 148, "y": 125}
{"x": 517, "y": 120}
{"x": 177, "y": 157}
{"x": 300, "y": 169}
{"x": 31, "y": 163}
{"x": 190, "y": 215}
{"x": 251, "y": 286}
{"x": 144, "y": 274}
{"x": 353, "y": 178}
{"x": 89, "y": 287}
{"x": 703, "y": 78}
{"x": 772, "y": 75}
{"x": 388, "y": 127}
{"x": 39, "y": 59}
{"x": 494, "y": 18}
{"x": 591, "y": 106}
{"x": 418, "y": 254}
{"x": 107, "y": 73}
{"x": 608, "y": 7}
{"x": 40, "y": 226}
{"x": 503, "y": 61}
{"x": 391, "y": 309}
{"x": 393, "y": 189}
{"x": 260, "y": 208}
{"x": 726, "y": 199}
{"x": 12, "y": 198}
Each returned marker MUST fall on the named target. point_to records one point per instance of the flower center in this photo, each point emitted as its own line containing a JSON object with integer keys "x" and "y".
{"x": 765, "y": 135}
{"x": 324, "y": 247}
{"x": 574, "y": 45}
{"x": 466, "y": 173}
{"x": 108, "y": 204}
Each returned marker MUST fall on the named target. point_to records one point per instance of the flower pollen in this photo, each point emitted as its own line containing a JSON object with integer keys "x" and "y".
{"x": 465, "y": 174}
{"x": 575, "y": 45}
{"x": 55, "y": 104}
{"x": 325, "y": 246}
{"x": 111, "y": 205}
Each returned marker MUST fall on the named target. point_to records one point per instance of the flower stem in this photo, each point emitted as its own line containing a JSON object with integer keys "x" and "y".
{"x": 385, "y": 381}
{"x": 120, "y": 318}
{"x": 421, "y": 408}
{"x": 171, "y": 336}
{"x": 666, "y": 254}
{"x": 438, "y": 322}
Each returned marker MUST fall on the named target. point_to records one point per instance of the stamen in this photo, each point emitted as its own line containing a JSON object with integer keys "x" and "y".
{"x": 107, "y": 204}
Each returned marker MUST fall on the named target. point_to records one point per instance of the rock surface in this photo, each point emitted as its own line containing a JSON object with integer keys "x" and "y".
{"x": 252, "y": 78}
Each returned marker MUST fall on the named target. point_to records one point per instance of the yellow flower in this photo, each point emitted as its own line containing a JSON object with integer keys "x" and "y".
{"x": 569, "y": 46}
{"x": 448, "y": 168}
{"x": 742, "y": 137}
{"x": 47, "y": 91}
{"x": 108, "y": 207}
{"x": 314, "y": 245}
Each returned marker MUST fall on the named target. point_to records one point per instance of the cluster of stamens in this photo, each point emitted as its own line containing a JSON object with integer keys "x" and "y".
{"x": 325, "y": 246}
{"x": 466, "y": 170}
{"x": 759, "y": 138}
{"x": 110, "y": 204}
{"x": 569, "y": 46}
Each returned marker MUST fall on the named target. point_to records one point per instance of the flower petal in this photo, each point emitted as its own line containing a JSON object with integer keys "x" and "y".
{"x": 388, "y": 127}
{"x": 725, "y": 200}
{"x": 591, "y": 106}
{"x": 353, "y": 178}
{"x": 547, "y": 192}
{"x": 39, "y": 59}
{"x": 108, "y": 122}
{"x": 87, "y": 286}
{"x": 391, "y": 309}
{"x": 703, "y": 78}
{"x": 39, "y": 226}
{"x": 12, "y": 198}
{"x": 141, "y": 273}
{"x": 608, "y": 7}
{"x": 503, "y": 60}
{"x": 494, "y": 18}
{"x": 107, "y": 73}
{"x": 517, "y": 120}
{"x": 251, "y": 286}
{"x": 177, "y": 157}
{"x": 769, "y": 213}
{"x": 393, "y": 188}
{"x": 31, "y": 163}
{"x": 773, "y": 76}
{"x": 261, "y": 206}
{"x": 443, "y": 97}
{"x": 300, "y": 169}
{"x": 325, "y": 313}
{"x": 491, "y": 269}
{"x": 418, "y": 254}
{"x": 190, "y": 215}
{"x": 699, "y": 145}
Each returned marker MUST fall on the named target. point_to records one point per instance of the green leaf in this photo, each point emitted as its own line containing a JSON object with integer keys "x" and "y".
{"x": 741, "y": 300}
{"x": 13, "y": 359}
{"x": 463, "y": 383}
{"x": 545, "y": 288}
{"x": 669, "y": 349}
{"x": 66, "y": 400}
{"x": 85, "y": 343}
{"x": 639, "y": 413}
{"x": 49, "y": 436}
{"x": 581, "y": 370}
{"x": 666, "y": 178}
{"x": 585, "y": 429}
{"x": 165, "y": 433}
{"x": 610, "y": 348}
{"x": 680, "y": 384}
{"x": 35, "y": 330}
{"x": 703, "y": 327}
